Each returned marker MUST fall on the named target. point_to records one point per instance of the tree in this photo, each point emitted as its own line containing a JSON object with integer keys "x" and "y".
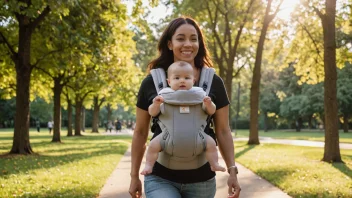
{"x": 332, "y": 147}
{"x": 96, "y": 109}
{"x": 27, "y": 14}
{"x": 67, "y": 93}
{"x": 254, "y": 96}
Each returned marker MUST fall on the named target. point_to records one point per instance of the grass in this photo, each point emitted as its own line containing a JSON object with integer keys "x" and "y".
{"x": 313, "y": 135}
{"x": 77, "y": 167}
{"x": 298, "y": 170}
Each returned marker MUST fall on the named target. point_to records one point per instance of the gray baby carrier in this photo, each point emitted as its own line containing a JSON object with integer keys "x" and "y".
{"x": 182, "y": 121}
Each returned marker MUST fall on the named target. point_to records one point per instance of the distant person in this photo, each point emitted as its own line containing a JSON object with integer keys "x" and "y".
{"x": 129, "y": 124}
{"x": 118, "y": 126}
{"x": 110, "y": 126}
{"x": 50, "y": 126}
{"x": 37, "y": 124}
{"x": 106, "y": 125}
{"x": 133, "y": 125}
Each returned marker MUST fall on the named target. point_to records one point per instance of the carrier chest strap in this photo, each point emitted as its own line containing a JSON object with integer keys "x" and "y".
{"x": 205, "y": 81}
{"x": 159, "y": 78}
{"x": 206, "y": 78}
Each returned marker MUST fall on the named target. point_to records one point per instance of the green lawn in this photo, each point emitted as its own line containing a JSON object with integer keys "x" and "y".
{"x": 298, "y": 170}
{"x": 313, "y": 135}
{"x": 77, "y": 167}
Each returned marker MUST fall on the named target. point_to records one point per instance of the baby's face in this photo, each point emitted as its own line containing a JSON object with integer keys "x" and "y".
{"x": 181, "y": 78}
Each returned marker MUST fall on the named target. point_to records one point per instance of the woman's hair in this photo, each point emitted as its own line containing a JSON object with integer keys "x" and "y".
{"x": 166, "y": 56}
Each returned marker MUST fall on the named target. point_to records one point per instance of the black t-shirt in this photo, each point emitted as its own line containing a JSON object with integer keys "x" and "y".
{"x": 218, "y": 95}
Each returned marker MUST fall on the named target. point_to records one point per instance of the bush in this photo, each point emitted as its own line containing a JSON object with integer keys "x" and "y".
{"x": 241, "y": 124}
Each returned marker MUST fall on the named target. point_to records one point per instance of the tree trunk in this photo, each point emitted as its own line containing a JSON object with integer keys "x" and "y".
{"x": 21, "y": 144}
{"x": 69, "y": 118}
{"x": 254, "y": 94}
{"x": 345, "y": 122}
{"x": 237, "y": 106}
{"x": 57, "y": 110}
{"x": 298, "y": 124}
{"x": 108, "y": 108}
{"x": 225, "y": 60}
{"x": 83, "y": 119}
{"x": 78, "y": 117}
{"x": 331, "y": 148}
{"x": 95, "y": 122}
{"x": 228, "y": 85}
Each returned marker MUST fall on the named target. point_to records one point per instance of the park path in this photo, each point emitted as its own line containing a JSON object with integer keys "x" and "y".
{"x": 252, "y": 185}
{"x": 295, "y": 142}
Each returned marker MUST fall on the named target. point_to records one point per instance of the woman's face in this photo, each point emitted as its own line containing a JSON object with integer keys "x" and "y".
{"x": 184, "y": 44}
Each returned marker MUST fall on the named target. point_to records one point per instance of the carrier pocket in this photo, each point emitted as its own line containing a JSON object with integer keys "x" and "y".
{"x": 202, "y": 138}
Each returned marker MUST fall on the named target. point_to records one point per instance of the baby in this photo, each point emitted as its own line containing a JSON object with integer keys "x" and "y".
{"x": 181, "y": 77}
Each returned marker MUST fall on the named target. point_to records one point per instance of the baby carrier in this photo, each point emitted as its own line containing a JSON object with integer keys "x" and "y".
{"x": 182, "y": 121}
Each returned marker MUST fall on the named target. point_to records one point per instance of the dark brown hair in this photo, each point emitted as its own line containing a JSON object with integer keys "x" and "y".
{"x": 166, "y": 56}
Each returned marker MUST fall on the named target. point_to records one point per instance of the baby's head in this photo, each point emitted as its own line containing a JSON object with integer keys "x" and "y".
{"x": 180, "y": 75}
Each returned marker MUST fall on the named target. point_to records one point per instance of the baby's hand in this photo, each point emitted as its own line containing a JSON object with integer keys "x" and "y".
{"x": 207, "y": 100}
{"x": 158, "y": 100}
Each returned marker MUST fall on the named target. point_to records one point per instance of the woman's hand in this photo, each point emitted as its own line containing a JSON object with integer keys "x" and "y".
{"x": 234, "y": 187}
{"x": 135, "y": 187}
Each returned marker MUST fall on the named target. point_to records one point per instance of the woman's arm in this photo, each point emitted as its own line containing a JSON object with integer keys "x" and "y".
{"x": 139, "y": 140}
{"x": 224, "y": 137}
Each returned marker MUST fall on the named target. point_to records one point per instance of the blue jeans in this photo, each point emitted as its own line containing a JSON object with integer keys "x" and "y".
{"x": 157, "y": 187}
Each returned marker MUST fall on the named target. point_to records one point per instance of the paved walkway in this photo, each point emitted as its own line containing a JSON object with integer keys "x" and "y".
{"x": 295, "y": 142}
{"x": 252, "y": 185}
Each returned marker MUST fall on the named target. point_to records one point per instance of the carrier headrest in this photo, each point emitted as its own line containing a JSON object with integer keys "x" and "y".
{"x": 193, "y": 96}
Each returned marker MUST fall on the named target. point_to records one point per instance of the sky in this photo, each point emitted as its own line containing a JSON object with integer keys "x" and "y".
{"x": 286, "y": 9}
{"x": 156, "y": 14}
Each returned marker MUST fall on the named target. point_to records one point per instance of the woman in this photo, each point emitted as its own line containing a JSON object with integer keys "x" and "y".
{"x": 182, "y": 40}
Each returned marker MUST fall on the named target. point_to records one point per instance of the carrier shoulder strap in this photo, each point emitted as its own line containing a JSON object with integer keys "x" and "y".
{"x": 159, "y": 78}
{"x": 206, "y": 78}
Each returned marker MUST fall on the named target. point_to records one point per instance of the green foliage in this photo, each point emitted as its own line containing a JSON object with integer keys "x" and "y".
{"x": 291, "y": 106}
{"x": 344, "y": 87}
{"x": 307, "y": 48}
{"x": 314, "y": 99}
{"x": 269, "y": 101}
{"x": 7, "y": 112}
{"x": 146, "y": 45}
{"x": 41, "y": 110}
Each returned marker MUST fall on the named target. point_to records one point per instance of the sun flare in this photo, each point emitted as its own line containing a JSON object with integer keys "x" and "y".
{"x": 286, "y": 9}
